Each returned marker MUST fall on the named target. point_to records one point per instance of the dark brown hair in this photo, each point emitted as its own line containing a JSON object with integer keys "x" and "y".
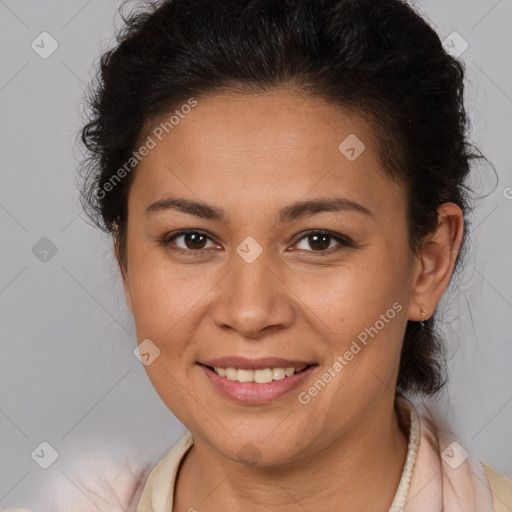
{"x": 379, "y": 59}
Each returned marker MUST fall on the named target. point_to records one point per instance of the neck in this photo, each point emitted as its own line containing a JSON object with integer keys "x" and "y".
{"x": 359, "y": 471}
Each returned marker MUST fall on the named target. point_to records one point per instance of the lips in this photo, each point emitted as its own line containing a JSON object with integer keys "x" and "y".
{"x": 257, "y": 380}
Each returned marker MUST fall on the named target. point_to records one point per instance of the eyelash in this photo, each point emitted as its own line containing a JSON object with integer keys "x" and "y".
{"x": 343, "y": 241}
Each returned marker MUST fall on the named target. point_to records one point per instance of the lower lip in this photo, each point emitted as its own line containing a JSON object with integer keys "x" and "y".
{"x": 253, "y": 393}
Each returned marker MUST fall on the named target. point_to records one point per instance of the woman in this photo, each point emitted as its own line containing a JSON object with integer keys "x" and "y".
{"x": 284, "y": 182}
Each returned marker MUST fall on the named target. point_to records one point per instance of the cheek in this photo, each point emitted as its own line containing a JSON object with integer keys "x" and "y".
{"x": 365, "y": 311}
{"x": 168, "y": 300}
{"x": 347, "y": 299}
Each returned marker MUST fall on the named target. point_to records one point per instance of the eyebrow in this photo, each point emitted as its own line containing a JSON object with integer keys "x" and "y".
{"x": 289, "y": 213}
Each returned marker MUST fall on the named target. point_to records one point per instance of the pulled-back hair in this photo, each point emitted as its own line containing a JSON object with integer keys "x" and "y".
{"x": 378, "y": 59}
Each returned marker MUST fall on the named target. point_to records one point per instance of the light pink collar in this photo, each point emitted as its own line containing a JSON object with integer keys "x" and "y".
{"x": 439, "y": 475}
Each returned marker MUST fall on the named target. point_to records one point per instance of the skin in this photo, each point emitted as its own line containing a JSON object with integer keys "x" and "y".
{"x": 251, "y": 156}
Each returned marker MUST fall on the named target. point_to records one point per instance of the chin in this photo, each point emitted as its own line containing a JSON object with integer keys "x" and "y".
{"x": 260, "y": 450}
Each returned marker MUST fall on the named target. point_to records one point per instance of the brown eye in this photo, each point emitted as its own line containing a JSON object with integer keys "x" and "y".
{"x": 194, "y": 240}
{"x": 321, "y": 241}
{"x": 191, "y": 241}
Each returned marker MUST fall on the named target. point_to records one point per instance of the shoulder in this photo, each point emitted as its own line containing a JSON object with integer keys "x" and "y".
{"x": 101, "y": 483}
{"x": 113, "y": 488}
{"x": 159, "y": 487}
{"x": 112, "y": 485}
{"x": 501, "y": 487}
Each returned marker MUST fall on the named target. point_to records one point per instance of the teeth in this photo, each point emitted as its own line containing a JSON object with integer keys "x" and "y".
{"x": 279, "y": 373}
{"x": 232, "y": 373}
{"x": 245, "y": 375}
{"x": 262, "y": 376}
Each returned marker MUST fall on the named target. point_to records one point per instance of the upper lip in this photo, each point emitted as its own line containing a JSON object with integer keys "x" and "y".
{"x": 255, "y": 364}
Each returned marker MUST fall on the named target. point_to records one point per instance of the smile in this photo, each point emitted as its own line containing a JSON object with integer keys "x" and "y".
{"x": 255, "y": 382}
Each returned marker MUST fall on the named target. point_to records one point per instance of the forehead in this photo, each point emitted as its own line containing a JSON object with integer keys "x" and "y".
{"x": 273, "y": 146}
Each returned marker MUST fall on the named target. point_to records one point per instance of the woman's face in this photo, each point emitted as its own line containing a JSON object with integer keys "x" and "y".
{"x": 256, "y": 281}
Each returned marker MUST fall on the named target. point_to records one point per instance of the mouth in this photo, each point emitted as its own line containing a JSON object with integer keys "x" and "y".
{"x": 256, "y": 381}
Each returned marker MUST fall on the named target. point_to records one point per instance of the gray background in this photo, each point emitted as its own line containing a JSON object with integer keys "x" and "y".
{"x": 68, "y": 375}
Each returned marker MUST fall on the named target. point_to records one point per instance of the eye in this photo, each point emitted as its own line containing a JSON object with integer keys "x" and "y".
{"x": 322, "y": 241}
{"x": 194, "y": 241}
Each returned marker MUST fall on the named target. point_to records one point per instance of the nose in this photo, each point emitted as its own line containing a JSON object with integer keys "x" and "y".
{"x": 253, "y": 298}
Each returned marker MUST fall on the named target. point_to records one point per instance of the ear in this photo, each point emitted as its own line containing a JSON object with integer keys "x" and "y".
{"x": 436, "y": 262}
{"x": 124, "y": 277}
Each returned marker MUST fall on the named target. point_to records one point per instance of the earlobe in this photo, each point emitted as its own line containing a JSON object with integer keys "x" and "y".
{"x": 437, "y": 262}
